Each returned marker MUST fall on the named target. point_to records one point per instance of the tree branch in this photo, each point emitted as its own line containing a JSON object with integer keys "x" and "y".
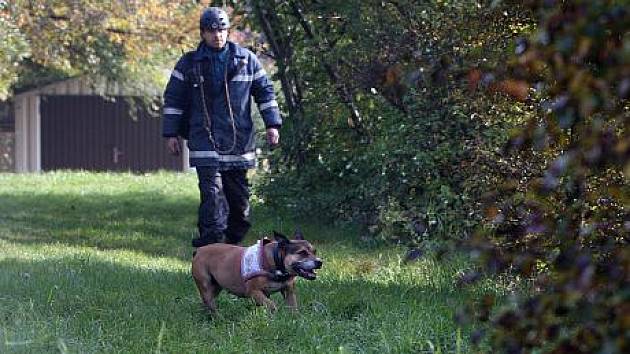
{"x": 342, "y": 90}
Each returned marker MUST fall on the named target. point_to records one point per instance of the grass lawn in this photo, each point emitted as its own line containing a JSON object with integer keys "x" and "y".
{"x": 101, "y": 263}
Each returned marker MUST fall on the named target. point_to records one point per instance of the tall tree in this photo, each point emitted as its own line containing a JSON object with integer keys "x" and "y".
{"x": 127, "y": 41}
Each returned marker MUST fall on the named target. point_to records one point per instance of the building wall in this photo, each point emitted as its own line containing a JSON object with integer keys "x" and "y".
{"x": 95, "y": 134}
{"x": 27, "y": 129}
{"x": 28, "y": 118}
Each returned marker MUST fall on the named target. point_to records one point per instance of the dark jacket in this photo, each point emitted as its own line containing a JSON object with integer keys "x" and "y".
{"x": 183, "y": 108}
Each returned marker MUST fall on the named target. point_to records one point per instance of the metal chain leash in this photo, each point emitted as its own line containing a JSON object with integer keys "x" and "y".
{"x": 208, "y": 120}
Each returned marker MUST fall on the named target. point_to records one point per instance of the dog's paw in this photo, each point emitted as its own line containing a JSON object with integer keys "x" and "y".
{"x": 271, "y": 307}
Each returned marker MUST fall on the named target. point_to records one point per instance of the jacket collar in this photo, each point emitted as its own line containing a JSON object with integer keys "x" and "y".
{"x": 233, "y": 50}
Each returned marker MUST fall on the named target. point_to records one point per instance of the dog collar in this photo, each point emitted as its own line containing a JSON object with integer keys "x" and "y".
{"x": 279, "y": 273}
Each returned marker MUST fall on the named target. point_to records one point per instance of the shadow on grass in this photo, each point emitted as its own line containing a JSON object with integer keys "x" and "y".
{"x": 147, "y": 222}
{"x": 153, "y": 223}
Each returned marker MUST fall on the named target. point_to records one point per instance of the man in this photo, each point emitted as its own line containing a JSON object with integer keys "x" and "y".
{"x": 207, "y": 100}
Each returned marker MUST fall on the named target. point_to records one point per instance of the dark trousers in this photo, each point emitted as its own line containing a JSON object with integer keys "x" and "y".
{"x": 224, "y": 208}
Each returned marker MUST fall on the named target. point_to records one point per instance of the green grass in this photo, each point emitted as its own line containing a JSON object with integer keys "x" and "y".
{"x": 101, "y": 263}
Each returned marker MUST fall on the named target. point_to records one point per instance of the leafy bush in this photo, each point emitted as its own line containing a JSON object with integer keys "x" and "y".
{"x": 568, "y": 228}
{"x": 407, "y": 154}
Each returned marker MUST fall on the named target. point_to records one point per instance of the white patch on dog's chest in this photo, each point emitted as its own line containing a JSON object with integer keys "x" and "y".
{"x": 250, "y": 263}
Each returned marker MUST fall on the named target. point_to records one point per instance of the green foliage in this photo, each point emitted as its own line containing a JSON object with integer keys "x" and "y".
{"x": 131, "y": 43}
{"x": 568, "y": 228}
{"x": 412, "y": 163}
{"x": 14, "y": 48}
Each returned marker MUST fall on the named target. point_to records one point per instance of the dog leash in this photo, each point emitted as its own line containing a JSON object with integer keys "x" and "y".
{"x": 208, "y": 120}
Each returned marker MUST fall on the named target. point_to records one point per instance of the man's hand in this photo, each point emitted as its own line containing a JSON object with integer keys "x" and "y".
{"x": 173, "y": 145}
{"x": 273, "y": 137}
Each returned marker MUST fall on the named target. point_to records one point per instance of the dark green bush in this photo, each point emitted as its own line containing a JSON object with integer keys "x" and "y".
{"x": 411, "y": 165}
{"x": 567, "y": 229}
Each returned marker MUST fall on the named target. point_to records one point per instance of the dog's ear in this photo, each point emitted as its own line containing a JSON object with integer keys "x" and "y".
{"x": 280, "y": 237}
{"x": 298, "y": 234}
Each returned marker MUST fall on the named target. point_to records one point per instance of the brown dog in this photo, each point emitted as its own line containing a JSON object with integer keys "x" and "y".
{"x": 256, "y": 271}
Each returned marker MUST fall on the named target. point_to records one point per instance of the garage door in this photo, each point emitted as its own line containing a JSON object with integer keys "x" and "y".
{"x": 92, "y": 133}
